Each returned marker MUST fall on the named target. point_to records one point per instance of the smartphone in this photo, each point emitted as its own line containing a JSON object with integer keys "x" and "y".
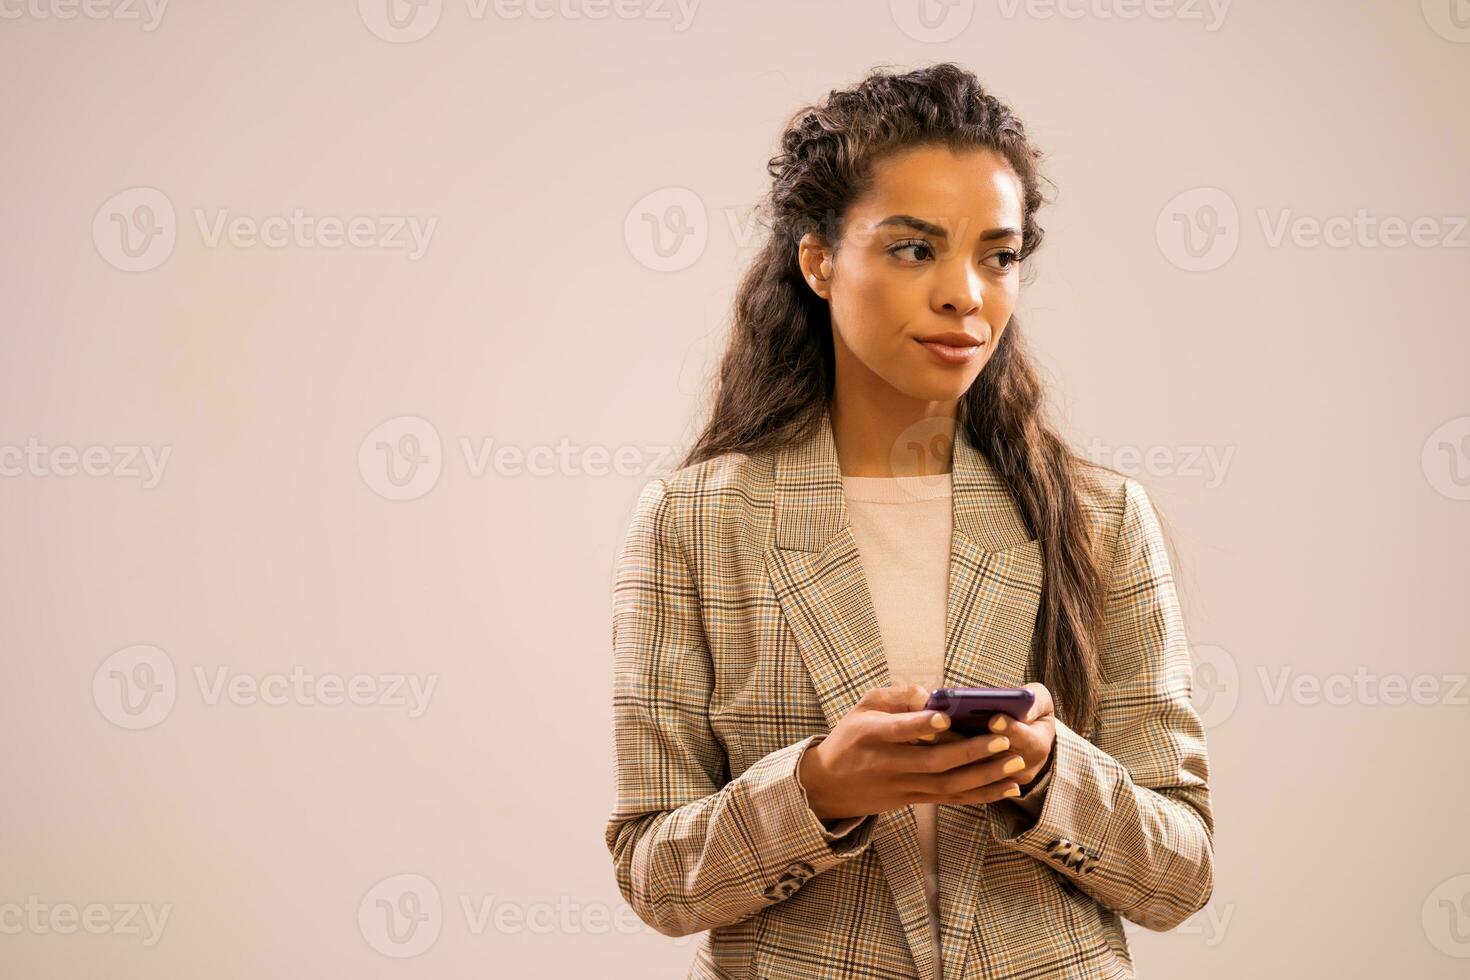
{"x": 970, "y": 708}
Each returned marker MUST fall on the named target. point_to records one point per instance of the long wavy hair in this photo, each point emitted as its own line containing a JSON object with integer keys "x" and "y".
{"x": 776, "y": 377}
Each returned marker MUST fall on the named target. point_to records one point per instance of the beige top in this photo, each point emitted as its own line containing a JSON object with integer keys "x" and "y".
{"x": 903, "y": 526}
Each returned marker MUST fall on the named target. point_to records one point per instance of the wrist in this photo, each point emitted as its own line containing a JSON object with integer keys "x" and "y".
{"x": 811, "y": 774}
{"x": 1040, "y": 773}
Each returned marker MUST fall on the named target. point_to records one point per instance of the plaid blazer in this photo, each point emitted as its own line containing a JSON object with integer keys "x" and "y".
{"x": 743, "y": 630}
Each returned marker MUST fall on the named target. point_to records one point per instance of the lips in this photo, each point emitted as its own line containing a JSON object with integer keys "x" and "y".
{"x": 952, "y": 347}
{"x": 952, "y": 338}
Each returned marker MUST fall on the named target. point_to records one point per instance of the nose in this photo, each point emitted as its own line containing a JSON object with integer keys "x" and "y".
{"x": 959, "y": 288}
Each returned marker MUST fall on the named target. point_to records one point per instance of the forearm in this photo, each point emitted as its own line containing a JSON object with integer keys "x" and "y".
{"x": 1144, "y": 852}
{"x": 722, "y": 858}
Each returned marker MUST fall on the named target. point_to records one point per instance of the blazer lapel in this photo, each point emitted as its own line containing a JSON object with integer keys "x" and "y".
{"x": 994, "y": 588}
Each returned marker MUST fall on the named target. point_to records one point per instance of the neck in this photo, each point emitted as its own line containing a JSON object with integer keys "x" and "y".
{"x": 881, "y": 432}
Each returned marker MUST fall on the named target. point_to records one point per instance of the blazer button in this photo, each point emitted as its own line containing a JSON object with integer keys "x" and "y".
{"x": 791, "y": 879}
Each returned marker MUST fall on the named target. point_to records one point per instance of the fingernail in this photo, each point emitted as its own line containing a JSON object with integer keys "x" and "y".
{"x": 1015, "y": 765}
{"x": 998, "y": 744}
{"x": 939, "y": 720}
{"x": 998, "y": 723}
{"x": 1012, "y": 791}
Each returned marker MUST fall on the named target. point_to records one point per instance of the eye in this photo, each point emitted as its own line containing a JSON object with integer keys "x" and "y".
{"x": 916, "y": 243}
{"x": 1011, "y": 257}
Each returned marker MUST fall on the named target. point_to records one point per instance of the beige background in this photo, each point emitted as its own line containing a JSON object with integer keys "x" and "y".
{"x": 1299, "y": 411}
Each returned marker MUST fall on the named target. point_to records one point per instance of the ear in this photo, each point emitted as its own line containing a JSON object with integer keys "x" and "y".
{"x": 815, "y": 259}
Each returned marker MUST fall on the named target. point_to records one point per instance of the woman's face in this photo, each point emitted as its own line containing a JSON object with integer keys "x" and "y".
{"x": 929, "y": 252}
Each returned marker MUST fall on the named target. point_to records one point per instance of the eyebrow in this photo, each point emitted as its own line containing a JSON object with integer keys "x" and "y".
{"x": 919, "y": 224}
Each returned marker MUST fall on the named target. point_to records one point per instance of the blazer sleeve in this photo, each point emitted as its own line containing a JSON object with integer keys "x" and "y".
{"x": 692, "y": 848}
{"x": 1126, "y": 815}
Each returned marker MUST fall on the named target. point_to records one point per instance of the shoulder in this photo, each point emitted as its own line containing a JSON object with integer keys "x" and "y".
{"x": 729, "y": 474}
{"x": 1117, "y": 507}
{"x": 721, "y": 500}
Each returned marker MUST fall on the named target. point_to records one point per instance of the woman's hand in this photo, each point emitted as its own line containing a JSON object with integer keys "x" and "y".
{"x": 1032, "y": 737}
{"x": 867, "y": 763}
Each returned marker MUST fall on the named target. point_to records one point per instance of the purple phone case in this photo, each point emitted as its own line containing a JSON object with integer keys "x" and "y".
{"x": 970, "y": 708}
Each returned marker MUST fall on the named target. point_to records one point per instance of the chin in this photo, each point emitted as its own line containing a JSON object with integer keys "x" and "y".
{"x": 939, "y": 387}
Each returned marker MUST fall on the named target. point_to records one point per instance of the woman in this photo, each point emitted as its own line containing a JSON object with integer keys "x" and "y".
{"x": 876, "y": 508}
